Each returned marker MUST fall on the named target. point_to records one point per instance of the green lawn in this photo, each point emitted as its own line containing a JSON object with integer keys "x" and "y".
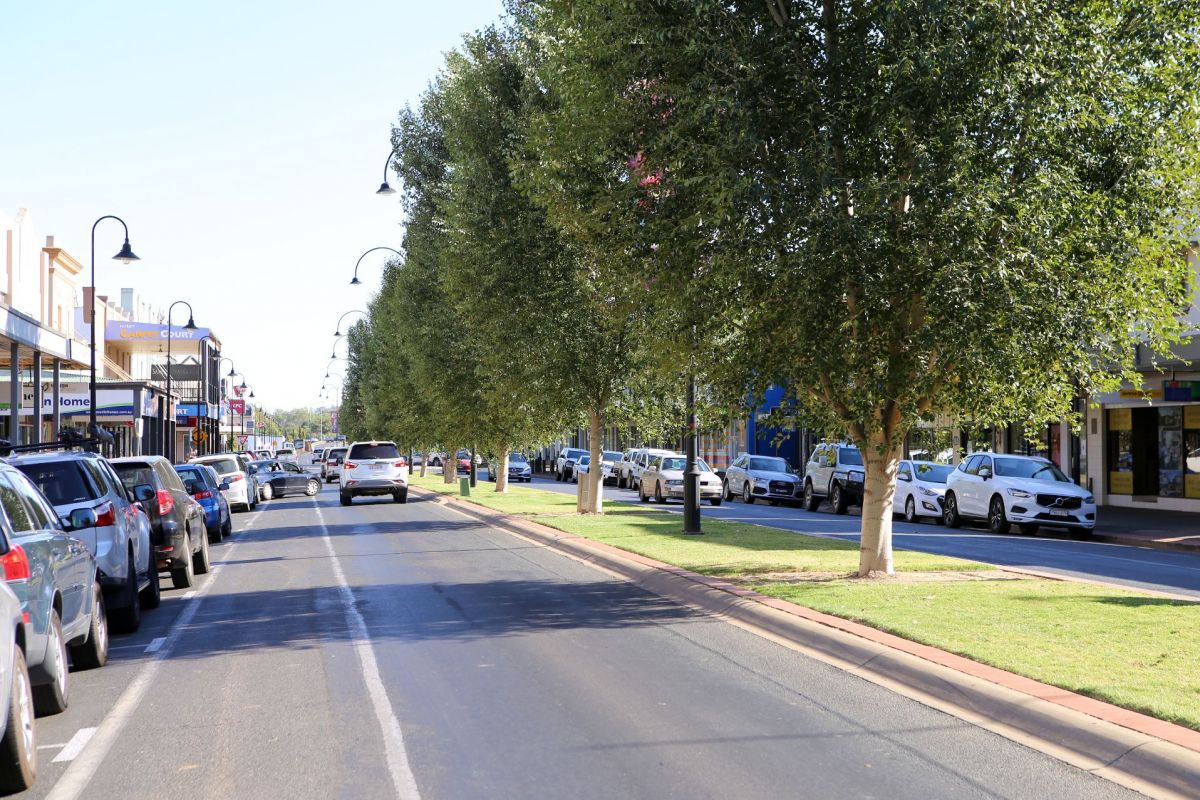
{"x": 1124, "y": 647}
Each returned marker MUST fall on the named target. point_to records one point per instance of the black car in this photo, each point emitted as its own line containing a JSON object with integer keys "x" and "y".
{"x": 177, "y": 526}
{"x": 286, "y": 477}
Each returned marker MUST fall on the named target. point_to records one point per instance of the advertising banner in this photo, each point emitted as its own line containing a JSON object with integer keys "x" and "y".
{"x": 117, "y": 331}
{"x": 74, "y": 401}
{"x": 237, "y": 407}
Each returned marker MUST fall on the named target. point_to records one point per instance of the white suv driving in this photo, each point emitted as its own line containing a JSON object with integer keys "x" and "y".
{"x": 1027, "y": 490}
{"x": 373, "y": 468}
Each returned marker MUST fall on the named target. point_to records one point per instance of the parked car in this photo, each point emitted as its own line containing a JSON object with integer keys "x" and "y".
{"x": 767, "y": 478}
{"x": 243, "y": 486}
{"x": 286, "y": 477}
{"x": 564, "y": 465}
{"x": 464, "y": 460}
{"x": 18, "y": 730}
{"x": 921, "y": 489}
{"x": 518, "y": 469}
{"x": 208, "y": 489}
{"x": 664, "y": 476}
{"x": 318, "y": 455}
{"x": 285, "y": 452}
{"x": 54, "y": 576}
{"x": 625, "y": 468}
{"x": 641, "y": 459}
{"x": 331, "y": 467}
{"x": 1027, "y": 490}
{"x": 262, "y": 455}
{"x": 120, "y": 540}
{"x": 607, "y": 465}
{"x": 836, "y": 471}
{"x": 373, "y": 468}
{"x": 435, "y": 459}
{"x": 177, "y": 526}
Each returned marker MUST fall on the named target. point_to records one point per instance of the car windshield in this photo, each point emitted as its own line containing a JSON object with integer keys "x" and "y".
{"x": 380, "y": 450}
{"x": 223, "y": 466}
{"x": 850, "y": 456}
{"x": 62, "y": 482}
{"x": 1028, "y": 468}
{"x": 585, "y": 460}
{"x": 932, "y": 473}
{"x": 339, "y": 453}
{"x": 517, "y": 458}
{"x": 680, "y": 463}
{"x": 192, "y": 474}
{"x": 135, "y": 475}
{"x": 769, "y": 465}
{"x": 611, "y": 456}
{"x": 573, "y": 453}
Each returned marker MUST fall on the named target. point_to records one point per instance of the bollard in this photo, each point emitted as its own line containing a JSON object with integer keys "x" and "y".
{"x": 464, "y": 487}
{"x": 582, "y": 497}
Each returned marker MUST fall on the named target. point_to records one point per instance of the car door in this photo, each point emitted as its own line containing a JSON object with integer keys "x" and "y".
{"x": 650, "y": 475}
{"x": 904, "y": 485}
{"x": 736, "y": 474}
{"x": 967, "y": 487}
{"x": 295, "y": 478}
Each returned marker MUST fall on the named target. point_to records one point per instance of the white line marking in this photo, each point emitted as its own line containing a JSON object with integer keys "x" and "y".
{"x": 76, "y": 744}
{"x": 51, "y": 746}
{"x": 156, "y": 644}
{"x": 189, "y": 595}
{"x": 75, "y": 779}
{"x": 403, "y": 779}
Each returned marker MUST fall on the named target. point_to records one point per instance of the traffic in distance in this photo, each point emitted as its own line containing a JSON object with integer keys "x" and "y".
{"x": 86, "y": 541}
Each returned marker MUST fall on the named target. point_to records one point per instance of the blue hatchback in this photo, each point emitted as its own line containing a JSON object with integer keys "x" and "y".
{"x": 205, "y": 486}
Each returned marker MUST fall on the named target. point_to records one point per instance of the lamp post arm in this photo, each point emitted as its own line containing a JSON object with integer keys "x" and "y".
{"x": 372, "y": 250}
{"x": 92, "y": 331}
{"x": 337, "y": 329}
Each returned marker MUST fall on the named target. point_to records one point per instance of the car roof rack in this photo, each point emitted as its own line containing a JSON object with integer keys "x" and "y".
{"x": 68, "y": 439}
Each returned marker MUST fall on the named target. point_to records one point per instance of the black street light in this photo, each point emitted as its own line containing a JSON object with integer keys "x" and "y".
{"x": 355, "y": 281}
{"x": 384, "y": 188}
{"x": 338, "y": 330}
{"x": 169, "y": 439}
{"x": 125, "y": 256}
{"x": 202, "y": 393}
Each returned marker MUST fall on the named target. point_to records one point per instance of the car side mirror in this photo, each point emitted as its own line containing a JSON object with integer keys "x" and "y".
{"x": 224, "y": 487}
{"x": 79, "y": 519}
{"x": 144, "y": 492}
{"x": 905, "y": 478}
{"x": 985, "y": 472}
{"x": 253, "y": 470}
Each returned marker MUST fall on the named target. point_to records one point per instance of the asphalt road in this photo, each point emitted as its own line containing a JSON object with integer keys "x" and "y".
{"x": 406, "y": 651}
{"x": 1136, "y": 567}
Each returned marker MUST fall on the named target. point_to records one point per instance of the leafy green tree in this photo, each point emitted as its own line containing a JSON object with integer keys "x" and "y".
{"x": 915, "y": 207}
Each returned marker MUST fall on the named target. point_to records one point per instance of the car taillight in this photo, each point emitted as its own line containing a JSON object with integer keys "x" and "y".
{"x": 400, "y": 463}
{"x": 166, "y": 503}
{"x": 16, "y": 564}
{"x": 105, "y": 515}
{"x": 203, "y": 494}
{"x": 350, "y": 465}
{"x": 236, "y": 478}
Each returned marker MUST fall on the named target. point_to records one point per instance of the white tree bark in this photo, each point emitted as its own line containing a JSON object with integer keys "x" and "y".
{"x": 450, "y": 465}
{"x": 881, "y": 458}
{"x": 595, "y": 473}
{"x": 502, "y": 474}
{"x": 424, "y": 464}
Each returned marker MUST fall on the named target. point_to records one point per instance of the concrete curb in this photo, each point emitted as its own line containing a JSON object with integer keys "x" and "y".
{"x": 1135, "y": 541}
{"x": 1143, "y": 753}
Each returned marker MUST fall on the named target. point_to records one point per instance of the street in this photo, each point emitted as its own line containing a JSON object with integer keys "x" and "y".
{"x": 458, "y": 661}
{"x": 1135, "y": 567}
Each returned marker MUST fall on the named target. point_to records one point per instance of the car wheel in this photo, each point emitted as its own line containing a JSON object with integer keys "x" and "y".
{"x": 620, "y": 482}
{"x": 200, "y": 561}
{"x": 773, "y": 502}
{"x": 312, "y": 488}
{"x": 726, "y": 492}
{"x": 51, "y": 698}
{"x": 558, "y": 476}
{"x": 151, "y": 596}
{"x": 344, "y": 497}
{"x": 910, "y": 510}
{"x": 400, "y": 497}
{"x": 18, "y": 748}
{"x": 811, "y": 501}
{"x": 950, "y": 515}
{"x": 268, "y": 492}
{"x": 93, "y": 652}
{"x": 227, "y": 528}
{"x": 837, "y": 499}
{"x": 997, "y": 520}
{"x": 1029, "y": 529}
{"x": 642, "y": 494}
{"x": 182, "y": 576}
{"x": 747, "y": 495}
{"x": 658, "y": 495}
{"x": 714, "y": 501}
{"x": 129, "y": 618}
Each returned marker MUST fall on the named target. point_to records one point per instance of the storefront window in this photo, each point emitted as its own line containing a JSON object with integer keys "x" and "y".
{"x": 1191, "y": 451}
{"x": 1170, "y": 451}
{"x": 1120, "y": 450}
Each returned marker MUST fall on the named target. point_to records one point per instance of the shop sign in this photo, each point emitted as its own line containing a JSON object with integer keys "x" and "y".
{"x": 1120, "y": 419}
{"x": 1181, "y": 391}
{"x": 237, "y": 406}
{"x": 1191, "y": 486}
{"x": 117, "y": 331}
{"x": 1120, "y": 483}
{"x": 1141, "y": 394}
{"x": 1191, "y": 417}
{"x": 109, "y": 402}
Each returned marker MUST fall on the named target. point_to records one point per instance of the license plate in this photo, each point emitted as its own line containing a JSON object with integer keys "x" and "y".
{"x": 1059, "y": 512}
{"x": 377, "y": 467}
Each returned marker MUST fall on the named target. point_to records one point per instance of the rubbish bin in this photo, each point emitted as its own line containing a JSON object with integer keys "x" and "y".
{"x": 464, "y": 487}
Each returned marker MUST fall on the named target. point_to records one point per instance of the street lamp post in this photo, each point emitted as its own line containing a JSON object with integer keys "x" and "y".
{"x": 169, "y": 438}
{"x": 385, "y": 188}
{"x": 125, "y": 256}
{"x": 355, "y": 281}
{"x": 337, "y": 331}
{"x": 203, "y": 390}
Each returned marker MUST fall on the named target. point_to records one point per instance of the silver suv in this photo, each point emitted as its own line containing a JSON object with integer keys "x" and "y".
{"x": 373, "y": 468}
{"x": 331, "y": 467}
{"x": 835, "y": 471}
{"x": 120, "y": 542}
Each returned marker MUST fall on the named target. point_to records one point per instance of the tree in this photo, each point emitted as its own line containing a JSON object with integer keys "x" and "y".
{"x": 974, "y": 208}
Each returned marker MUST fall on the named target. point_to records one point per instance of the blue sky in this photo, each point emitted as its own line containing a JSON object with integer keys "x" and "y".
{"x": 241, "y": 141}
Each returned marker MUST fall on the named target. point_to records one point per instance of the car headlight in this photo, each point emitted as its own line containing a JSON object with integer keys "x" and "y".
{"x": 1020, "y": 493}
{"x": 928, "y": 492}
{"x": 1089, "y": 499}
{"x": 854, "y": 477}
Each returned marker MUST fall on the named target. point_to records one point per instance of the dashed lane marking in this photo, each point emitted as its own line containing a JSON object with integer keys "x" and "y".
{"x": 75, "y": 745}
{"x": 156, "y": 644}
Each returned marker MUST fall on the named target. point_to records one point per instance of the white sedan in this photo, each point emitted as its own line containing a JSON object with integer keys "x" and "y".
{"x": 664, "y": 479}
{"x": 609, "y": 462}
{"x": 921, "y": 489}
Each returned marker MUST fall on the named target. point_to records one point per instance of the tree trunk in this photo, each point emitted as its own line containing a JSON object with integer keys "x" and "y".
{"x": 881, "y": 458}
{"x": 450, "y": 465}
{"x": 424, "y": 463}
{"x": 595, "y": 473}
{"x": 501, "y": 476}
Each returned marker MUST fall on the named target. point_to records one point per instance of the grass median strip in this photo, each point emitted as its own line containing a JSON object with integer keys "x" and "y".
{"x": 1127, "y": 648}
